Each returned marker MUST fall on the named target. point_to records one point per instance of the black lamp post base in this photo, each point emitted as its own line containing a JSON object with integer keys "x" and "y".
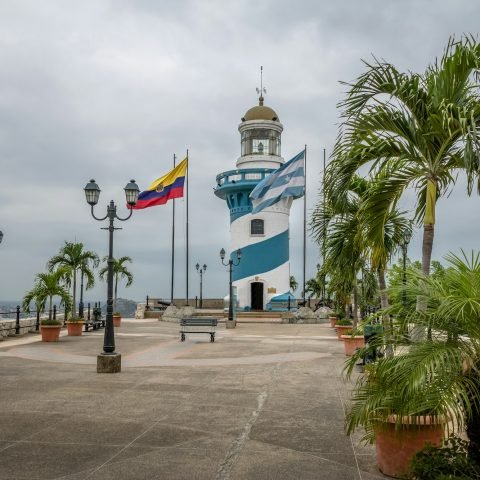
{"x": 109, "y": 363}
{"x": 230, "y": 323}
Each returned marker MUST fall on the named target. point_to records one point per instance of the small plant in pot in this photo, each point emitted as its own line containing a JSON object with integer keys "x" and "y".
{"x": 75, "y": 326}
{"x": 343, "y": 327}
{"x": 353, "y": 341}
{"x": 50, "y": 330}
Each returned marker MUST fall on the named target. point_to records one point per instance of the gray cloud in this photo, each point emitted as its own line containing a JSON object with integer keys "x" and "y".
{"x": 111, "y": 89}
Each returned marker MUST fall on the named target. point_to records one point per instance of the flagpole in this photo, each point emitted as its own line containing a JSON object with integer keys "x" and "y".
{"x": 324, "y": 240}
{"x": 305, "y": 227}
{"x": 173, "y": 242}
{"x": 186, "y": 262}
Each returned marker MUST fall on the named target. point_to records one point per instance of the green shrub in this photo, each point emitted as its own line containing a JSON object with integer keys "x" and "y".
{"x": 340, "y": 313}
{"x": 450, "y": 461}
{"x": 343, "y": 322}
{"x": 76, "y": 319}
{"x": 116, "y": 314}
{"x": 50, "y": 322}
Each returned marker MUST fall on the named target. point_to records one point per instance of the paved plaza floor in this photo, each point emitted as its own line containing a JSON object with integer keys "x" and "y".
{"x": 265, "y": 401}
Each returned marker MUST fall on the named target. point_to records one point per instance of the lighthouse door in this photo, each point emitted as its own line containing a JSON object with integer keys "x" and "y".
{"x": 257, "y": 296}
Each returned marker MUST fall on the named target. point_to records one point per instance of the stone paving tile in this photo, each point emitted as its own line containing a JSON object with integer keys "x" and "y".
{"x": 20, "y": 427}
{"x": 41, "y": 461}
{"x": 269, "y": 462}
{"x": 183, "y": 421}
{"x": 79, "y": 430}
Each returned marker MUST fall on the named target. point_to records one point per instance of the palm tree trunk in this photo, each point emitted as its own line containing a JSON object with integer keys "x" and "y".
{"x": 472, "y": 426}
{"x": 50, "y": 300}
{"x": 382, "y": 285}
{"x": 355, "y": 304}
{"x": 74, "y": 296}
{"x": 115, "y": 295}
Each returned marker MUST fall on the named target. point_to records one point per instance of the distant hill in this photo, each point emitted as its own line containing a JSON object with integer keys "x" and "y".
{"x": 125, "y": 307}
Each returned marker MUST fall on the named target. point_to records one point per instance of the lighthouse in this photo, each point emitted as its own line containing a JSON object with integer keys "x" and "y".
{"x": 262, "y": 278}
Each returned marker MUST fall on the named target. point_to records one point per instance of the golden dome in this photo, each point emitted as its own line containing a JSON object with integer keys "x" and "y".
{"x": 260, "y": 112}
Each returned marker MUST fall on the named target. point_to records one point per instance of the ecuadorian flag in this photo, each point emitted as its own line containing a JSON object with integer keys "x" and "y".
{"x": 165, "y": 188}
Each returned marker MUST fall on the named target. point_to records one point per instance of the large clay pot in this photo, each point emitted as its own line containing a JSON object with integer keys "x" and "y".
{"x": 351, "y": 343}
{"x": 396, "y": 445}
{"x": 50, "y": 333}
{"x": 333, "y": 320}
{"x": 74, "y": 329}
{"x": 117, "y": 320}
{"x": 343, "y": 330}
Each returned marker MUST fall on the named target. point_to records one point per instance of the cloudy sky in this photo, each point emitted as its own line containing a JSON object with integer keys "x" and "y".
{"x": 111, "y": 89}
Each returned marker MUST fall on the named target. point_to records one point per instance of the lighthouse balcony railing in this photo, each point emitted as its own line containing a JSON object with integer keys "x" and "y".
{"x": 247, "y": 175}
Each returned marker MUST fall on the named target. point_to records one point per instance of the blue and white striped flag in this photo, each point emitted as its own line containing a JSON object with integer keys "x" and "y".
{"x": 287, "y": 181}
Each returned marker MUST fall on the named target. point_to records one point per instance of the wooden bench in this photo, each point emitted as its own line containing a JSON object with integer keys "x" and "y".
{"x": 198, "y": 325}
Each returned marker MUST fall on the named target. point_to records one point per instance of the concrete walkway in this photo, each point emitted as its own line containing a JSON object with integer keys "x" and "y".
{"x": 265, "y": 401}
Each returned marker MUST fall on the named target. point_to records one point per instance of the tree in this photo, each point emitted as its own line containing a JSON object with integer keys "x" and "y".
{"x": 293, "y": 283}
{"x": 47, "y": 286}
{"x": 439, "y": 374}
{"x": 120, "y": 271}
{"x": 72, "y": 258}
{"x": 412, "y": 130}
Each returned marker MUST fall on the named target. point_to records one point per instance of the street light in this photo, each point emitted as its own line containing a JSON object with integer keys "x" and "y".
{"x": 230, "y": 264}
{"x": 406, "y": 240}
{"x": 201, "y": 271}
{"x": 109, "y": 361}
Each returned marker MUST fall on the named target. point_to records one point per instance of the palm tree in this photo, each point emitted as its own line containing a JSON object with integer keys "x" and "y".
{"x": 120, "y": 271}
{"x": 337, "y": 220}
{"x": 73, "y": 258}
{"x": 437, "y": 375}
{"x": 293, "y": 283}
{"x": 416, "y": 130}
{"x": 47, "y": 286}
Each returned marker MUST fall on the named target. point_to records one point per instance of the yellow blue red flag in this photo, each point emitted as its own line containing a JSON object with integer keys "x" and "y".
{"x": 165, "y": 188}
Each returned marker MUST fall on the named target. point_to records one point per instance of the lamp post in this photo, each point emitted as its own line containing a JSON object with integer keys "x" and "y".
{"x": 201, "y": 271}
{"x": 406, "y": 241}
{"x": 231, "y": 323}
{"x": 109, "y": 361}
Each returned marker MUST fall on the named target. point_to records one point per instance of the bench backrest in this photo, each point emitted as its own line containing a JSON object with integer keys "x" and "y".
{"x": 199, "y": 322}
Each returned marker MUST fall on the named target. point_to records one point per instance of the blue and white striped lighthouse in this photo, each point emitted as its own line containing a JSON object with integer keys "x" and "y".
{"x": 263, "y": 276}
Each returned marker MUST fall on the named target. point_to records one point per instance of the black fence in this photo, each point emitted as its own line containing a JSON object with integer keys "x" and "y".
{"x": 94, "y": 316}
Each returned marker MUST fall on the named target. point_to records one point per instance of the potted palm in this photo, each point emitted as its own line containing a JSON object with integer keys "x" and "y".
{"x": 47, "y": 286}
{"x": 430, "y": 386}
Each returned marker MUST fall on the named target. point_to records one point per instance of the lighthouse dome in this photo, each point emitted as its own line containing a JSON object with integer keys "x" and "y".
{"x": 260, "y": 112}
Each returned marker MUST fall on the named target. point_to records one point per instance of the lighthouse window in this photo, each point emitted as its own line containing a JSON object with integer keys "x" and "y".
{"x": 260, "y": 146}
{"x": 257, "y": 227}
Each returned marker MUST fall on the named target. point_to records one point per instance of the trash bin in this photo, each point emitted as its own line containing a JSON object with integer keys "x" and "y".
{"x": 369, "y": 333}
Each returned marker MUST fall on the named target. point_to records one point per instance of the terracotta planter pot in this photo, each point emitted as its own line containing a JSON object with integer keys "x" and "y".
{"x": 396, "y": 446}
{"x": 74, "y": 329}
{"x": 50, "y": 333}
{"x": 333, "y": 320}
{"x": 343, "y": 330}
{"x": 352, "y": 343}
{"x": 117, "y": 320}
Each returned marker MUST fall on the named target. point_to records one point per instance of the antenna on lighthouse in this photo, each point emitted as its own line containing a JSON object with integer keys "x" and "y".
{"x": 262, "y": 90}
